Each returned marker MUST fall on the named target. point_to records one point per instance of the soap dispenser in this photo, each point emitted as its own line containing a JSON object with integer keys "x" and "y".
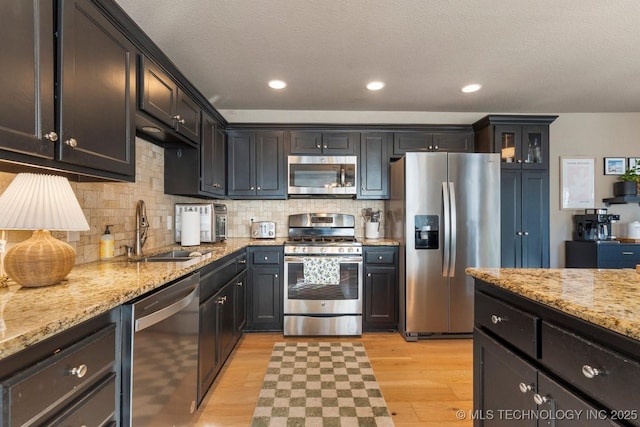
{"x": 107, "y": 244}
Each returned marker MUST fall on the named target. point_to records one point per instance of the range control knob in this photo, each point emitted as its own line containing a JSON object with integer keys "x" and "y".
{"x": 350, "y": 249}
{"x": 340, "y": 249}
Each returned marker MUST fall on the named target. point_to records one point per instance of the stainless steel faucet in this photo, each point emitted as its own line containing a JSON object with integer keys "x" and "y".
{"x": 142, "y": 227}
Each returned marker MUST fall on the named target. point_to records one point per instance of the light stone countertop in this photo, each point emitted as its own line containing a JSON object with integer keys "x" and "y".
{"x": 30, "y": 315}
{"x": 607, "y": 298}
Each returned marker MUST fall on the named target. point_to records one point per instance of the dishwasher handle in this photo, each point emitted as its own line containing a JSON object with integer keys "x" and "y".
{"x": 166, "y": 312}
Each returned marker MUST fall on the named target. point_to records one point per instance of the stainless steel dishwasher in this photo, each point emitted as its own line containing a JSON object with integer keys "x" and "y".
{"x": 160, "y": 356}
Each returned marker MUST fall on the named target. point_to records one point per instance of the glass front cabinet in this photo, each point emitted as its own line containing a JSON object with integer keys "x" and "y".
{"x": 522, "y": 146}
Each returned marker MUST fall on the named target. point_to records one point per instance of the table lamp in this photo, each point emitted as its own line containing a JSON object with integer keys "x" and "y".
{"x": 41, "y": 203}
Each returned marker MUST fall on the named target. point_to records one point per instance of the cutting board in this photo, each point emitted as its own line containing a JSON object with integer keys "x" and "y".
{"x": 626, "y": 240}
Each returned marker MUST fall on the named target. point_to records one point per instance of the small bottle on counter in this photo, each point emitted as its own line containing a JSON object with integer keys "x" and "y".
{"x": 107, "y": 244}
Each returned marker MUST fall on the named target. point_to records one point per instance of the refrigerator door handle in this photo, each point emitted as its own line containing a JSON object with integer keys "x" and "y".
{"x": 447, "y": 225}
{"x": 453, "y": 235}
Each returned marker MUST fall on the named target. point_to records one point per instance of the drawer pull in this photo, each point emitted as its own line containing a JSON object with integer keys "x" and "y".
{"x": 539, "y": 399}
{"x": 266, "y": 258}
{"x": 80, "y": 371}
{"x": 590, "y": 372}
{"x": 368, "y": 274}
{"x": 627, "y": 253}
{"x": 239, "y": 284}
{"x": 242, "y": 261}
{"x": 525, "y": 388}
{"x": 380, "y": 257}
{"x": 497, "y": 319}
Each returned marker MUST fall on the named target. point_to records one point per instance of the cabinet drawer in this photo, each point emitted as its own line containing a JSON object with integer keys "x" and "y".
{"x": 96, "y": 408}
{"x": 614, "y": 378}
{"x": 265, "y": 257}
{"x": 57, "y": 379}
{"x": 380, "y": 257}
{"x": 517, "y": 327}
{"x": 619, "y": 256}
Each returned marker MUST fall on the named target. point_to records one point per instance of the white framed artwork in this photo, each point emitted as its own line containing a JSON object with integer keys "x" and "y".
{"x": 577, "y": 182}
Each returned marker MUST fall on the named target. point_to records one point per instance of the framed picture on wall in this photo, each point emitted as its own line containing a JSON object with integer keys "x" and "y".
{"x": 614, "y": 165}
{"x": 633, "y": 162}
{"x": 577, "y": 182}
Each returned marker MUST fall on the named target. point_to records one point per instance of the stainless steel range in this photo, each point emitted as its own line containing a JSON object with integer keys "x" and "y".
{"x": 323, "y": 276}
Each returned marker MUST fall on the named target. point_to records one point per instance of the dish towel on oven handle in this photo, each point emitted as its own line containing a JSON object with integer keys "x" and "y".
{"x": 321, "y": 270}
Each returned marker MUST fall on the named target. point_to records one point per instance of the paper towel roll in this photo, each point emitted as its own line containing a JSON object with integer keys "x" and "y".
{"x": 190, "y": 233}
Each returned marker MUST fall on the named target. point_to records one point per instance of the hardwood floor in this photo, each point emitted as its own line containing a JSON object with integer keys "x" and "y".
{"x": 424, "y": 383}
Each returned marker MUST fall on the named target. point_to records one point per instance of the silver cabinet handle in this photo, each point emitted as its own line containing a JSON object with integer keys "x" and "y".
{"x": 324, "y": 146}
{"x": 497, "y": 319}
{"x": 380, "y": 257}
{"x": 259, "y": 188}
{"x": 71, "y": 142}
{"x": 525, "y": 233}
{"x": 80, "y": 371}
{"x": 239, "y": 284}
{"x": 275, "y": 275}
{"x": 252, "y": 188}
{"x": 524, "y": 387}
{"x": 430, "y": 147}
{"x": 518, "y": 161}
{"x": 242, "y": 261}
{"x": 518, "y": 233}
{"x": 627, "y": 253}
{"x": 591, "y": 372}
{"x": 266, "y": 258}
{"x": 368, "y": 274}
{"x": 435, "y": 147}
{"x": 179, "y": 119}
{"x": 317, "y": 145}
{"x": 51, "y": 136}
{"x": 539, "y": 399}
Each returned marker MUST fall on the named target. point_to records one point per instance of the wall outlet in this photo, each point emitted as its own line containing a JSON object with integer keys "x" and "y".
{"x": 169, "y": 222}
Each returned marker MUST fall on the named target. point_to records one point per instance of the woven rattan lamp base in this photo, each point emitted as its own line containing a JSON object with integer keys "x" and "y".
{"x": 41, "y": 260}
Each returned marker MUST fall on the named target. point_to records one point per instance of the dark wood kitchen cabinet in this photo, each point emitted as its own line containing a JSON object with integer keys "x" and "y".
{"x": 380, "y": 293}
{"x": 579, "y": 254}
{"x": 327, "y": 143}
{"x": 222, "y": 315}
{"x": 161, "y": 98}
{"x": 70, "y": 378}
{"x": 530, "y": 359}
{"x": 256, "y": 165}
{"x": 375, "y": 148}
{"x": 524, "y": 206}
{"x": 265, "y": 288}
{"x": 460, "y": 141}
{"x": 201, "y": 171}
{"x": 94, "y": 131}
{"x": 523, "y": 142}
{"x": 27, "y": 68}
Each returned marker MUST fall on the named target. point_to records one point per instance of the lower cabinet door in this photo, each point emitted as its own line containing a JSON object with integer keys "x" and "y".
{"x": 567, "y": 409}
{"x": 226, "y": 330}
{"x": 265, "y": 299}
{"x": 503, "y": 385}
{"x": 208, "y": 365}
{"x": 380, "y": 298}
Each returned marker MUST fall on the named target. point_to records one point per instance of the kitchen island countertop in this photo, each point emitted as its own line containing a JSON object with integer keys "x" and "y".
{"x": 607, "y": 298}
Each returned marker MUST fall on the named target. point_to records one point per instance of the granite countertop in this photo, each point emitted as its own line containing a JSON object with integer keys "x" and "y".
{"x": 30, "y": 315}
{"x": 607, "y": 298}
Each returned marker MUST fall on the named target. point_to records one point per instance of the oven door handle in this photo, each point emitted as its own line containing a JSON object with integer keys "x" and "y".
{"x": 342, "y": 259}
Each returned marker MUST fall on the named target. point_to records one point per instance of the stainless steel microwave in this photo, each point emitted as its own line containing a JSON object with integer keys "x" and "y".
{"x": 322, "y": 175}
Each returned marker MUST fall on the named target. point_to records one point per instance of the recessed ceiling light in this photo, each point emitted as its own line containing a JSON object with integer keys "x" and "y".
{"x": 375, "y": 85}
{"x": 471, "y": 88}
{"x": 277, "y": 84}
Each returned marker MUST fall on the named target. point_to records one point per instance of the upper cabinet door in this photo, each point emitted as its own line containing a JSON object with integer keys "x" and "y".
{"x": 27, "y": 69}
{"x": 522, "y": 146}
{"x": 404, "y": 142}
{"x": 187, "y": 118}
{"x": 329, "y": 143}
{"x": 270, "y": 165}
{"x": 159, "y": 92}
{"x": 306, "y": 143}
{"x": 96, "y": 77}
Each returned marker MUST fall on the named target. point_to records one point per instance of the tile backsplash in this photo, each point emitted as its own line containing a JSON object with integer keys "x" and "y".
{"x": 115, "y": 203}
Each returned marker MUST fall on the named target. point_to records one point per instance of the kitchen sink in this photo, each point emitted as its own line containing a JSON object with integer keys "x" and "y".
{"x": 174, "y": 256}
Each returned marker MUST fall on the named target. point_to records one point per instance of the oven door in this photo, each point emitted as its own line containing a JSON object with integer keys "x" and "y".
{"x": 304, "y": 297}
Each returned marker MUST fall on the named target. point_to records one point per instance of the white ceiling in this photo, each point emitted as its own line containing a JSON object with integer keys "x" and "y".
{"x": 543, "y": 56}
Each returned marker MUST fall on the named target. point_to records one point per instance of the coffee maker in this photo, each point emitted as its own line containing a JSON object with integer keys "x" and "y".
{"x": 594, "y": 225}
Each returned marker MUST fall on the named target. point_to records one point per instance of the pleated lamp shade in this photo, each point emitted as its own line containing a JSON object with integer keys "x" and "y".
{"x": 41, "y": 203}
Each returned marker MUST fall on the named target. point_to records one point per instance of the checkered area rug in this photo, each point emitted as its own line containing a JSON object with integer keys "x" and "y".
{"x": 320, "y": 384}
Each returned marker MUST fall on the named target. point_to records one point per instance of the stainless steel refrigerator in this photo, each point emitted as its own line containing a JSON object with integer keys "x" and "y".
{"x": 444, "y": 209}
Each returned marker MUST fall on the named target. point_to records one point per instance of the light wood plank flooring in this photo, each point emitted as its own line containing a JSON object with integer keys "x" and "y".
{"x": 424, "y": 383}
